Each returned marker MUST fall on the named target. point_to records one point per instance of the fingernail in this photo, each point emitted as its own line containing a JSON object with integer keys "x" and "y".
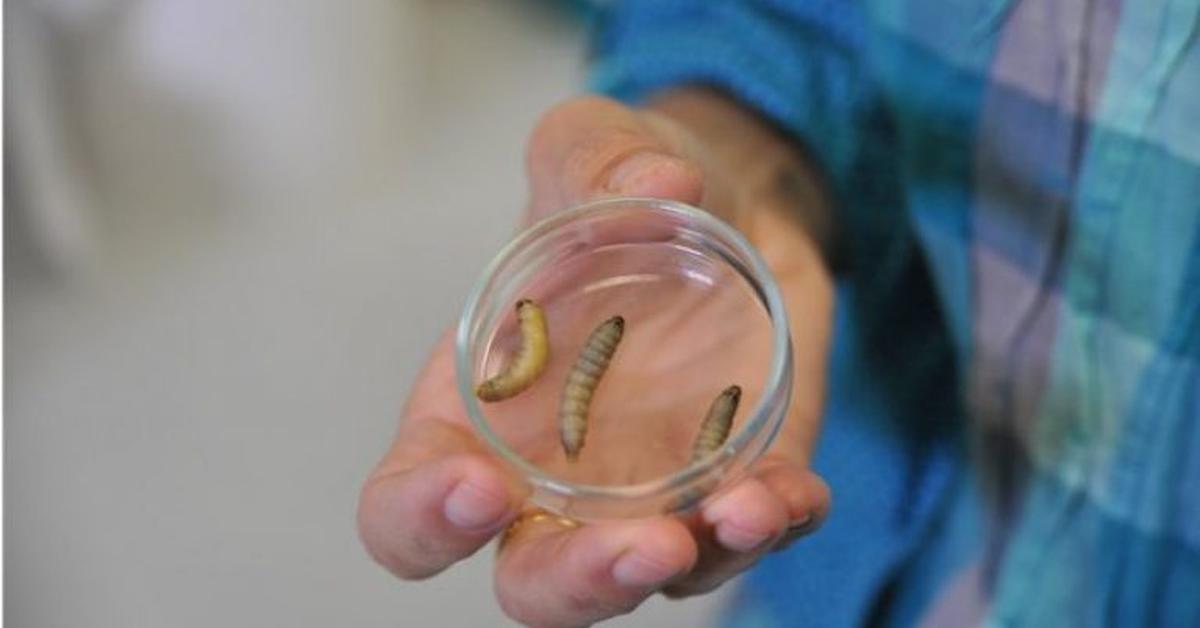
{"x": 796, "y": 531}
{"x": 723, "y": 515}
{"x": 738, "y": 538}
{"x": 803, "y": 526}
{"x": 636, "y": 570}
{"x": 473, "y": 508}
{"x": 628, "y": 177}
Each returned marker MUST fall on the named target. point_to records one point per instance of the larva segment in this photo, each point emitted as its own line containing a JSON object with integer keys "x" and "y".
{"x": 530, "y": 360}
{"x": 715, "y": 428}
{"x": 582, "y": 381}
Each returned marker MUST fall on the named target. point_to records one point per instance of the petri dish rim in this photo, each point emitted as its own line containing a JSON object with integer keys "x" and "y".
{"x": 764, "y": 285}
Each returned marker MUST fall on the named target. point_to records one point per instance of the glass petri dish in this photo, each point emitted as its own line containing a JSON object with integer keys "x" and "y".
{"x": 702, "y": 312}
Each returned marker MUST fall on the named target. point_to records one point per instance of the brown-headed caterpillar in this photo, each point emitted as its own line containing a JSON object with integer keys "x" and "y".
{"x": 715, "y": 428}
{"x": 530, "y": 360}
{"x": 713, "y": 432}
{"x": 582, "y": 381}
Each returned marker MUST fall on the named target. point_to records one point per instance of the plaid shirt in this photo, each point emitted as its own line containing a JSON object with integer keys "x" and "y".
{"x": 1013, "y": 425}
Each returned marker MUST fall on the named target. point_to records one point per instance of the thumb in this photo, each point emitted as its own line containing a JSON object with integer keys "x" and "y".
{"x": 593, "y": 147}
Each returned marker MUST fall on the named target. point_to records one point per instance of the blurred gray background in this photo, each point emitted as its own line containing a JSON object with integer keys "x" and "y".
{"x": 232, "y": 231}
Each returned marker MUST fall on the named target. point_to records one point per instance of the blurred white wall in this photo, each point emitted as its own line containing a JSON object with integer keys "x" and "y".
{"x": 232, "y": 231}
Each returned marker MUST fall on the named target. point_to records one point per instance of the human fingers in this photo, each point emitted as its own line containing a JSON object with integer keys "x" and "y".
{"x": 593, "y": 147}
{"x": 779, "y": 503}
{"x": 436, "y": 496}
{"x": 551, "y": 574}
{"x": 433, "y": 501}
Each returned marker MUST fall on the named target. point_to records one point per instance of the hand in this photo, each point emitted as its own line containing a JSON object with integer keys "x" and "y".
{"x": 438, "y": 496}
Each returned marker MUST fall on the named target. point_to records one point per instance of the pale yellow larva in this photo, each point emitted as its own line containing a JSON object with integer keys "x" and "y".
{"x": 530, "y": 360}
{"x": 582, "y": 381}
{"x": 715, "y": 428}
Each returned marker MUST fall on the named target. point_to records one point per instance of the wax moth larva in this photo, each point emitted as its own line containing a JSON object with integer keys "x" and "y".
{"x": 582, "y": 382}
{"x": 713, "y": 433}
{"x": 715, "y": 428}
{"x": 530, "y": 360}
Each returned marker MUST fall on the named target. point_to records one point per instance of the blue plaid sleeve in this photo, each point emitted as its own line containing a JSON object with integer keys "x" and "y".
{"x": 797, "y": 63}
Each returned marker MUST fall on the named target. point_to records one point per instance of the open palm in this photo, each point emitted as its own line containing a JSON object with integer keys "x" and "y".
{"x": 438, "y": 495}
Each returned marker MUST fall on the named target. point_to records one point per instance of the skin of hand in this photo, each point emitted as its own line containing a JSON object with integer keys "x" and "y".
{"x": 438, "y": 495}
